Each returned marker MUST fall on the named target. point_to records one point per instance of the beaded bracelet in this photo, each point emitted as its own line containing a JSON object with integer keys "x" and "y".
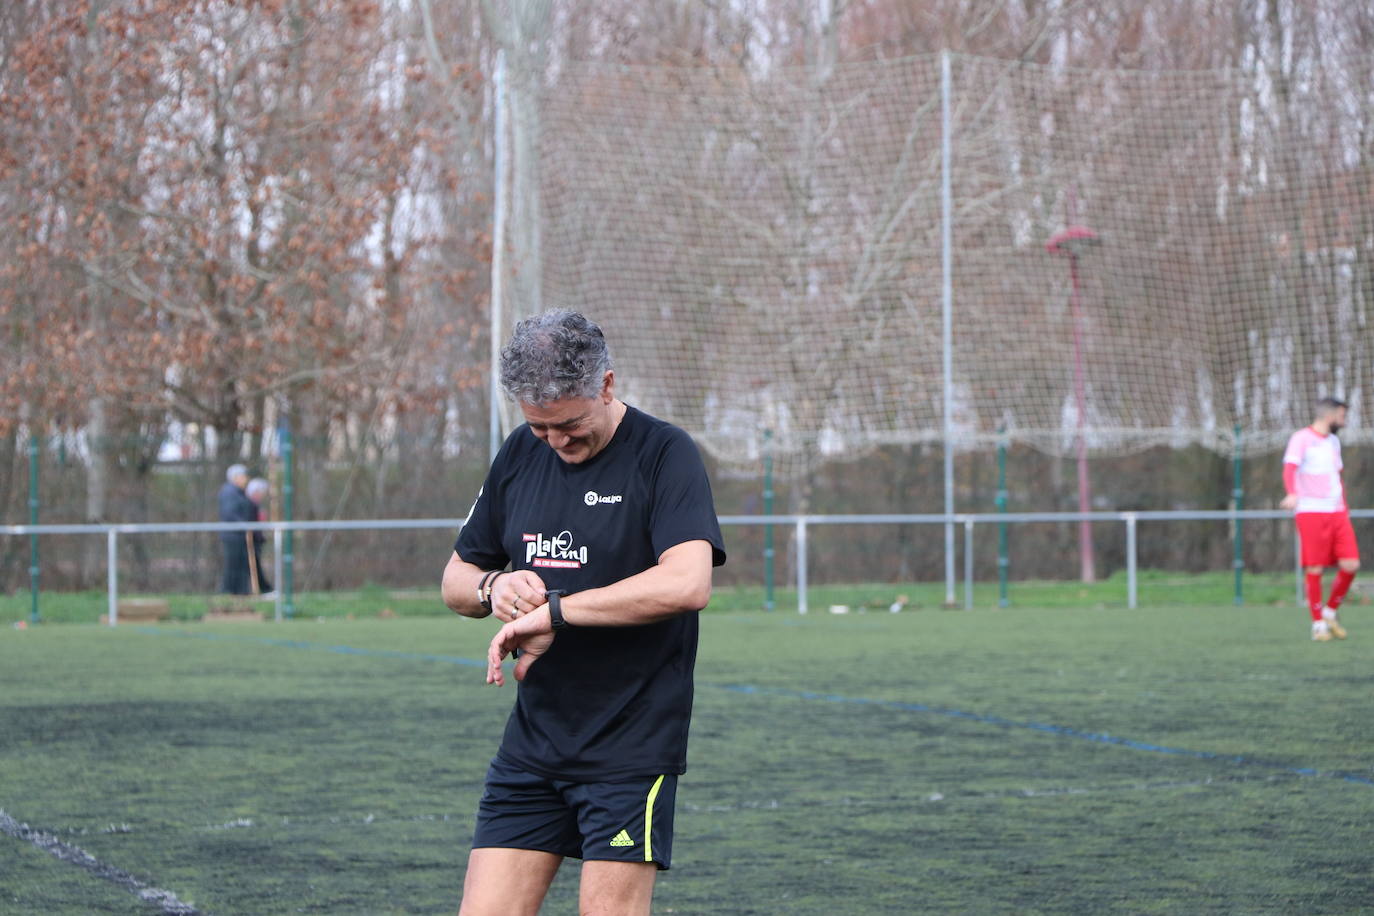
{"x": 484, "y": 589}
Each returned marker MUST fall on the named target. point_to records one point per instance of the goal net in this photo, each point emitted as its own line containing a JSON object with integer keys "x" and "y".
{"x": 1139, "y": 258}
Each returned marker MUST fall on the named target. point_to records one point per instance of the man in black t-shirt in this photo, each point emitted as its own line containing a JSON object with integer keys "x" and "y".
{"x": 604, "y": 515}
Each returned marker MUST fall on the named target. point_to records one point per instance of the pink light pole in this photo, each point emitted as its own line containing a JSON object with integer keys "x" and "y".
{"x": 1071, "y": 243}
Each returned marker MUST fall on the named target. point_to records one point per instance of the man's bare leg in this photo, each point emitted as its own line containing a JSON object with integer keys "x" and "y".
{"x": 507, "y": 882}
{"x": 617, "y": 888}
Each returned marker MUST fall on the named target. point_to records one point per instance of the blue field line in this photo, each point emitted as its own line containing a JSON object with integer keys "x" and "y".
{"x": 319, "y": 647}
{"x": 1063, "y": 731}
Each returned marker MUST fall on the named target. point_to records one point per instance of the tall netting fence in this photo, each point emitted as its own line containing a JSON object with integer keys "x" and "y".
{"x": 1137, "y": 258}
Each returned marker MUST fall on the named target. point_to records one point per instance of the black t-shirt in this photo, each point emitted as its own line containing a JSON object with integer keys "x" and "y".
{"x": 603, "y": 703}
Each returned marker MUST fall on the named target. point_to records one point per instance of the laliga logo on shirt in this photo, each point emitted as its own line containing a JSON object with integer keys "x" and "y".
{"x": 555, "y": 552}
{"x": 591, "y": 498}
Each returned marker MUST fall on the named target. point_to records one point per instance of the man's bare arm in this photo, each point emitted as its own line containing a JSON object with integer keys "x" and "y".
{"x": 680, "y": 582}
{"x": 459, "y": 591}
{"x": 459, "y": 588}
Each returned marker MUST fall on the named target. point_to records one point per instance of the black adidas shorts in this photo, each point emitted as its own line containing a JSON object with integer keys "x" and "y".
{"x": 626, "y": 821}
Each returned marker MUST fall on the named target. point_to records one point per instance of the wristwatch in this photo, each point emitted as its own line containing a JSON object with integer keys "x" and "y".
{"x": 555, "y": 596}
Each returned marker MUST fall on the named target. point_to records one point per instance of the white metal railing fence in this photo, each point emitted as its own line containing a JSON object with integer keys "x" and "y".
{"x": 800, "y": 525}
{"x": 968, "y": 520}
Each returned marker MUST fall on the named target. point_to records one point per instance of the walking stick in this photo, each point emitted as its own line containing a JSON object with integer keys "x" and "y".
{"x": 252, "y": 562}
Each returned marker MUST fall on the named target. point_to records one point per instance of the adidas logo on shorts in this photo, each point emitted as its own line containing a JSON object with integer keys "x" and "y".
{"x": 622, "y": 839}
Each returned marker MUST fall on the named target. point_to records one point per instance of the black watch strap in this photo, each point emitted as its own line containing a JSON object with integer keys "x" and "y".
{"x": 555, "y": 596}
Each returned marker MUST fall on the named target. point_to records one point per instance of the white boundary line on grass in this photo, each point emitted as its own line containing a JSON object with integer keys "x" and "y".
{"x": 75, "y": 855}
{"x": 273, "y": 820}
{"x": 772, "y": 804}
{"x": 931, "y": 798}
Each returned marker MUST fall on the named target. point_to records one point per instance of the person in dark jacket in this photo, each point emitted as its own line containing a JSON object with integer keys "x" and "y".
{"x": 235, "y": 506}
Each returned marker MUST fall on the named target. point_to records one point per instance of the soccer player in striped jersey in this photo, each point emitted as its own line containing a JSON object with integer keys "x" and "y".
{"x": 1312, "y": 479}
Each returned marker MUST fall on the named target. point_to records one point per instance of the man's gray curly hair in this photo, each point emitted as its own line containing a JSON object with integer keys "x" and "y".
{"x": 555, "y": 355}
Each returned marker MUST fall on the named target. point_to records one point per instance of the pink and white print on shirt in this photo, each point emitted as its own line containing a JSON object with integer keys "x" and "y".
{"x": 1318, "y": 480}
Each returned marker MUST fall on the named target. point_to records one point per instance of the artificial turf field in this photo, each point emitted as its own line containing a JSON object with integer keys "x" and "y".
{"x": 1166, "y": 760}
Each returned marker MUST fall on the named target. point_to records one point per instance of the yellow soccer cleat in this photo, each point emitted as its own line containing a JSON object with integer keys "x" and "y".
{"x": 1321, "y": 632}
{"x": 1333, "y": 622}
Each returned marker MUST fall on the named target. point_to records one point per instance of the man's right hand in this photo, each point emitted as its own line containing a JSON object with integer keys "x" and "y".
{"x": 1289, "y": 502}
{"x": 516, "y": 594}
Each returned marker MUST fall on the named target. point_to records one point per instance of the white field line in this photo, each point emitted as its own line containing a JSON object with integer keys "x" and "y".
{"x": 931, "y": 798}
{"x": 772, "y": 804}
{"x": 75, "y": 855}
{"x": 363, "y": 820}
{"x": 270, "y": 821}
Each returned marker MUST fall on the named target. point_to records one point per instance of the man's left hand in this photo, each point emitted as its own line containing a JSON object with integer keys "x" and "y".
{"x": 531, "y": 633}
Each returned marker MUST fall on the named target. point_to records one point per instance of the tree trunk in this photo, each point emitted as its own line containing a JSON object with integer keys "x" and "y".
{"x": 97, "y": 489}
